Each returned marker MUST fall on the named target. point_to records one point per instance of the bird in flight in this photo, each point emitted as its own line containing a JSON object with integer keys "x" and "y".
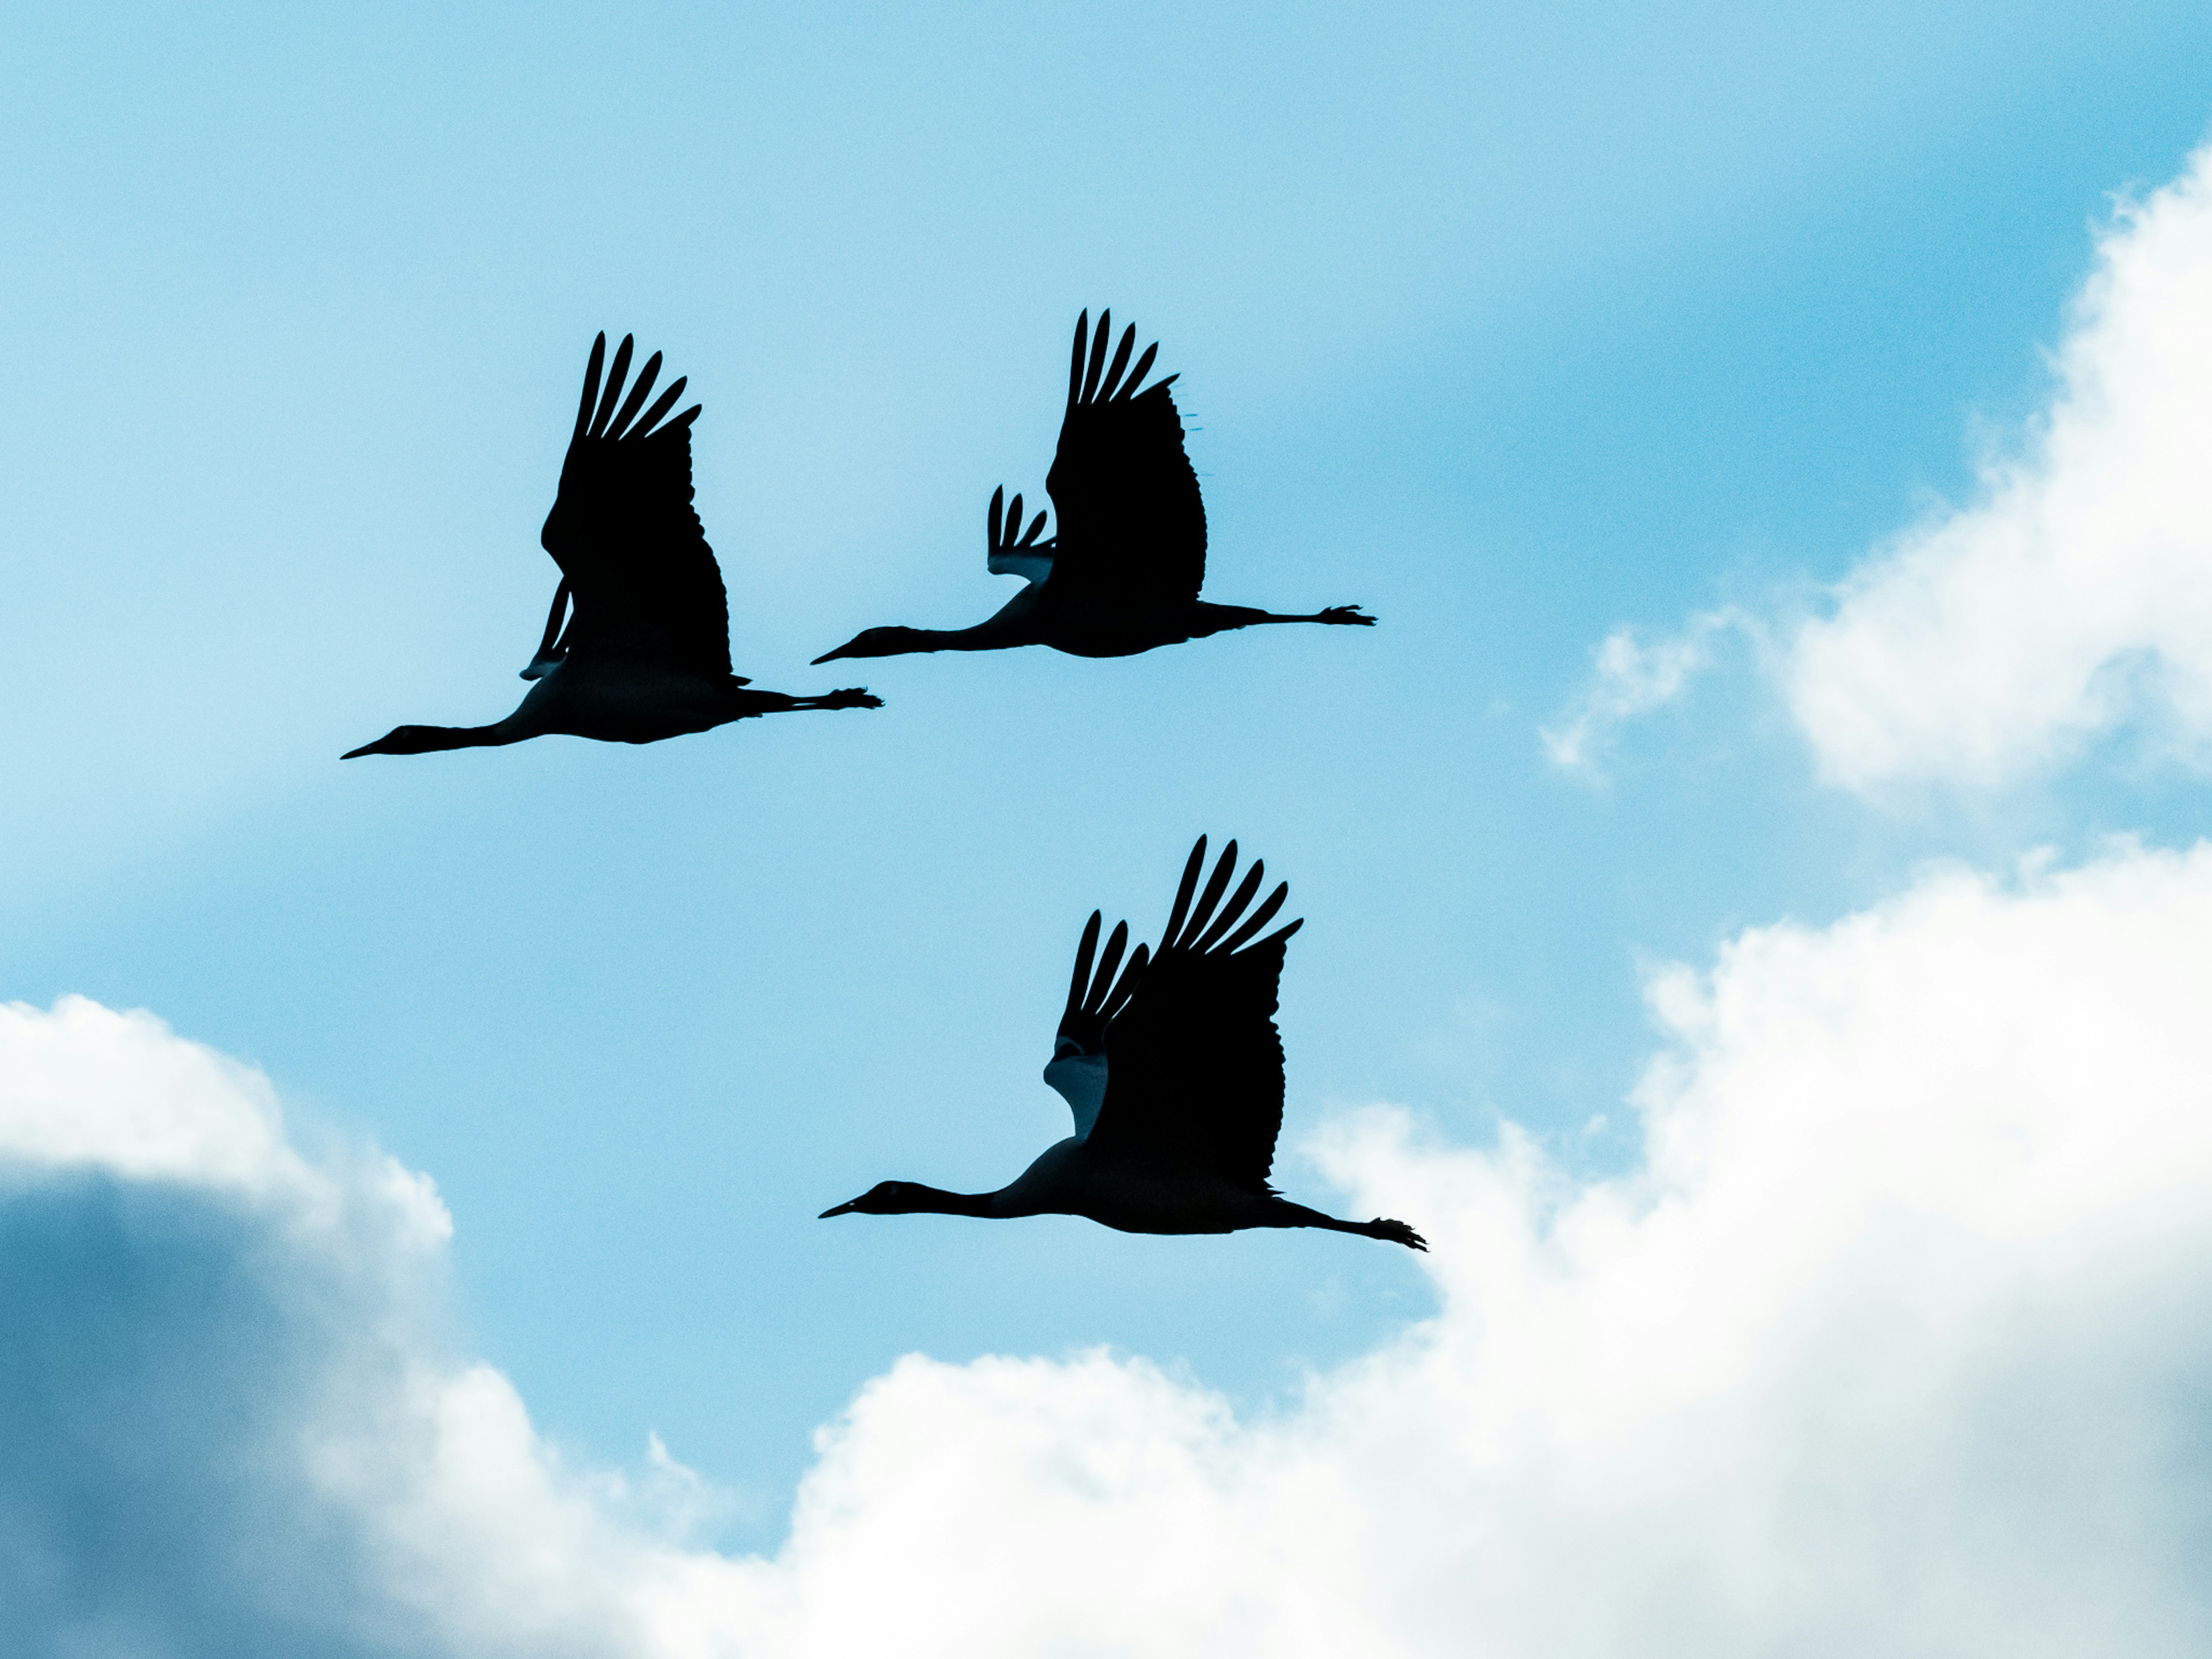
{"x": 646, "y": 653}
{"x": 1174, "y": 1072}
{"x": 1122, "y": 572}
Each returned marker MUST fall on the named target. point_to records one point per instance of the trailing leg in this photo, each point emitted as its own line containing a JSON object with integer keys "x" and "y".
{"x": 1281, "y": 1212}
{"x": 1220, "y": 618}
{"x": 778, "y": 703}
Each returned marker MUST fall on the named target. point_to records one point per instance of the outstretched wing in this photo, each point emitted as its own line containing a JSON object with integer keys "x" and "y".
{"x": 645, "y": 582}
{"x": 1132, "y": 527}
{"x": 1194, "y": 1067}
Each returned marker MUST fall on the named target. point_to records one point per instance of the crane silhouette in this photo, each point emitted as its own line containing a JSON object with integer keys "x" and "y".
{"x": 1123, "y": 571}
{"x": 646, "y": 654}
{"x": 1174, "y": 1072}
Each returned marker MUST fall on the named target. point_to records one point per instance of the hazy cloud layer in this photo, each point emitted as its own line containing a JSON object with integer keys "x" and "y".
{"x": 1899, "y": 1340}
{"x": 2077, "y": 590}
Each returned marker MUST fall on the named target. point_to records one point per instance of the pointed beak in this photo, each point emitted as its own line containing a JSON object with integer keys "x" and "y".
{"x": 832, "y": 656}
{"x": 842, "y": 1209}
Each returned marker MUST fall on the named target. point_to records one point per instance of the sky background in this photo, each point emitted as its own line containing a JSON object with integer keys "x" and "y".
{"x": 1516, "y": 328}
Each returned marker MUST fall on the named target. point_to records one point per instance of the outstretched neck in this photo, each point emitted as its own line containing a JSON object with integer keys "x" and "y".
{"x": 1015, "y": 624}
{"x": 915, "y": 1198}
{"x": 982, "y": 637}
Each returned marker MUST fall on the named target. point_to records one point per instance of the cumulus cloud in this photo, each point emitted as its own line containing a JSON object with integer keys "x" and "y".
{"x": 1631, "y": 677}
{"x": 231, "y": 1423}
{"x": 1896, "y": 1340}
{"x": 2075, "y": 590}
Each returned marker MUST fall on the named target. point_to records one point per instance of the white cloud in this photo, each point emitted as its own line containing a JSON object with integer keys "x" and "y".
{"x": 2077, "y": 590}
{"x": 1627, "y": 678}
{"x": 1899, "y": 1340}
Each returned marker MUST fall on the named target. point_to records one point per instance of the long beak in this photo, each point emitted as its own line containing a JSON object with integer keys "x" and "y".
{"x": 842, "y": 1209}
{"x": 832, "y": 656}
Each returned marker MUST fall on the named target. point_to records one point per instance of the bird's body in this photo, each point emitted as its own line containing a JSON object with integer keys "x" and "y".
{"x": 1174, "y": 1075}
{"x": 1031, "y": 617}
{"x": 1123, "y": 572}
{"x": 1130, "y": 1196}
{"x": 612, "y": 702}
{"x": 646, "y": 654}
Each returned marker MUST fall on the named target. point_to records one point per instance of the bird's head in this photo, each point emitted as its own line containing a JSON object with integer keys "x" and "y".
{"x": 884, "y": 1198}
{"x": 877, "y": 642}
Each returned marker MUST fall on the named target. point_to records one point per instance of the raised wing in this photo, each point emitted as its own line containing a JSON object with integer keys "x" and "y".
{"x": 1079, "y": 1059}
{"x": 1012, "y": 553}
{"x": 644, "y": 581}
{"x": 1194, "y": 1067}
{"x": 1131, "y": 525}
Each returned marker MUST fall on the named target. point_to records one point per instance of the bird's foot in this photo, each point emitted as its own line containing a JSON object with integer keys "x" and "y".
{"x": 1396, "y": 1232}
{"x": 852, "y": 696}
{"x": 1349, "y": 616}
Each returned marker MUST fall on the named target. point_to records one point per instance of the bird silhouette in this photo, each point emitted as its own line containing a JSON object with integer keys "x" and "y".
{"x": 1123, "y": 571}
{"x": 1174, "y": 1072}
{"x": 646, "y": 653}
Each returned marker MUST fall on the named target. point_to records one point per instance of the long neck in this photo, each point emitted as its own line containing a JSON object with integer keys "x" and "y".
{"x": 1019, "y": 621}
{"x": 993, "y": 634}
{"x": 918, "y": 1199}
{"x": 470, "y": 737}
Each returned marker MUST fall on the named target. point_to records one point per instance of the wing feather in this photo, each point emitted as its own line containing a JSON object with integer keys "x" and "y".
{"x": 1095, "y": 997}
{"x": 619, "y": 367}
{"x": 630, "y": 405}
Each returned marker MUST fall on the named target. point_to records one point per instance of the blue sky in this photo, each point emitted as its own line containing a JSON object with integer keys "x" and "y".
{"x": 1514, "y": 328}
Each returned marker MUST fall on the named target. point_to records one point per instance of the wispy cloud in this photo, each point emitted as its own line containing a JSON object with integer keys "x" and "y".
{"x": 1631, "y": 677}
{"x": 1895, "y": 1340}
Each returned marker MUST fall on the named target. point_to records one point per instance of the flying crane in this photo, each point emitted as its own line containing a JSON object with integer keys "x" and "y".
{"x": 1121, "y": 574}
{"x": 646, "y": 653}
{"x": 1173, "y": 1071}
